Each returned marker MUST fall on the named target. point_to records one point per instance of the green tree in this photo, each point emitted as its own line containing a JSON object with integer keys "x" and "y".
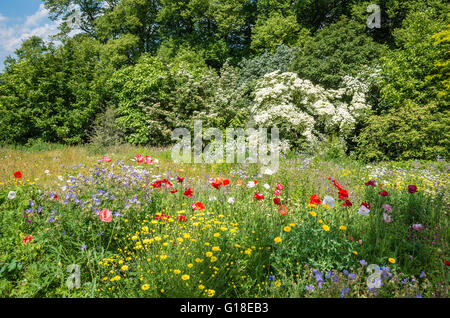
{"x": 269, "y": 33}
{"x": 89, "y": 11}
{"x": 315, "y": 14}
{"x": 410, "y": 132}
{"x": 130, "y": 28}
{"x": 47, "y": 92}
{"x": 340, "y": 49}
{"x": 148, "y": 99}
{"x": 443, "y": 65}
{"x": 407, "y": 71}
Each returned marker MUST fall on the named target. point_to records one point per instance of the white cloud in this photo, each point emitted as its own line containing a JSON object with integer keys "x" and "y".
{"x": 36, "y": 18}
{"x": 15, "y": 30}
{"x": 12, "y": 34}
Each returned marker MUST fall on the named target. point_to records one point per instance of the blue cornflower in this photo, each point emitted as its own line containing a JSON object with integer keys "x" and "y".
{"x": 318, "y": 277}
{"x": 271, "y": 277}
{"x": 352, "y": 276}
{"x": 363, "y": 262}
{"x": 83, "y": 247}
{"x": 344, "y": 291}
{"x": 422, "y": 274}
{"x": 309, "y": 287}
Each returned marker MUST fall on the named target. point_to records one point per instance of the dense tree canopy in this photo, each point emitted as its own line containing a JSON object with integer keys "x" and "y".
{"x": 154, "y": 65}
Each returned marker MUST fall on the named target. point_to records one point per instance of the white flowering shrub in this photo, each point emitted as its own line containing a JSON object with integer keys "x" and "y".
{"x": 307, "y": 113}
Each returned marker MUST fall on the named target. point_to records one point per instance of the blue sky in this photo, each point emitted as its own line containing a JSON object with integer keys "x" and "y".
{"x": 20, "y": 19}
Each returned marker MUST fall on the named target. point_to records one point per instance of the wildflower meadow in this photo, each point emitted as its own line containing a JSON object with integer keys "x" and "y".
{"x": 131, "y": 223}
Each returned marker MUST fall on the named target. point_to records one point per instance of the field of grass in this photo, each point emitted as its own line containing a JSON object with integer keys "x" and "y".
{"x": 76, "y": 225}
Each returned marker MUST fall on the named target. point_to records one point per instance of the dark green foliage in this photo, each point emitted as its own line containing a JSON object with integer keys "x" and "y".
{"x": 47, "y": 93}
{"x": 337, "y": 50}
{"x": 407, "y": 72}
{"x": 309, "y": 244}
{"x": 410, "y": 132}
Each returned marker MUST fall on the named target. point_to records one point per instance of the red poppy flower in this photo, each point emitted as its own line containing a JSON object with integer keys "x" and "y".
{"x": 279, "y": 187}
{"x": 447, "y": 263}
{"x": 173, "y": 191}
{"x": 182, "y": 218}
{"x": 167, "y": 183}
{"x": 277, "y": 192}
{"x": 337, "y": 185}
{"x": 18, "y": 174}
{"x": 315, "y": 199}
{"x": 158, "y": 183}
{"x": 180, "y": 179}
{"x": 106, "y": 159}
{"x": 255, "y": 182}
{"x": 283, "y": 210}
{"x": 276, "y": 201}
{"x": 226, "y": 182}
{"x": 148, "y": 159}
{"x": 384, "y": 193}
{"x": 105, "y": 215}
{"x": 139, "y": 158}
{"x": 347, "y": 203}
{"x": 258, "y": 196}
{"x": 28, "y": 238}
{"x": 161, "y": 217}
{"x": 188, "y": 193}
{"x": 198, "y": 206}
{"x": 215, "y": 185}
{"x": 412, "y": 188}
{"x": 367, "y": 205}
{"x": 56, "y": 197}
{"x": 370, "y": 183}
{"x": 343, "y": 194}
